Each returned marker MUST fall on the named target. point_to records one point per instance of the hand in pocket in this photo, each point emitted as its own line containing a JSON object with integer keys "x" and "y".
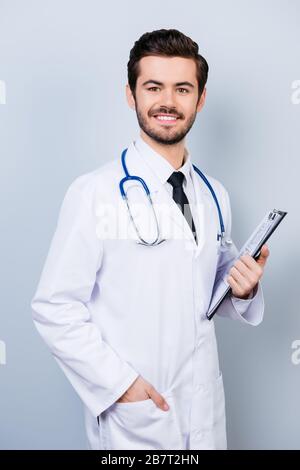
{"x": 143, "y": 390}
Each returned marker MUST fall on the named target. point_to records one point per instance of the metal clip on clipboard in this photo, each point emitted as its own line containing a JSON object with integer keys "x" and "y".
{"x": 252, "y": 246}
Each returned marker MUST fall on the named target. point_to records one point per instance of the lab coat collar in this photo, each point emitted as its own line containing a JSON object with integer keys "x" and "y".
{"x": 159, "y": 165}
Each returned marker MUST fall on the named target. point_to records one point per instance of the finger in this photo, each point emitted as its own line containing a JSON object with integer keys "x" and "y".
{"x": 243, "y": 283}
{"x": 158, "y": 399}
{"x": 264, "y": 253}
{"x": 236, "y": 290}
{"x": 251, "y": 263}
{"x": 248, "y": 273}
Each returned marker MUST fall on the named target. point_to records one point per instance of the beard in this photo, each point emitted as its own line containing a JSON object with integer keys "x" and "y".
{"x": 167, "y": 135}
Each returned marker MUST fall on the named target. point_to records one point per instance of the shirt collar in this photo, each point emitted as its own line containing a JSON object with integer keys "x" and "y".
{"x": 159, "y": 165}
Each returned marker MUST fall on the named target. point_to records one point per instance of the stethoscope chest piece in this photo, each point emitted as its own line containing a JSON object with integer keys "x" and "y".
{"x": 225, "y": 243}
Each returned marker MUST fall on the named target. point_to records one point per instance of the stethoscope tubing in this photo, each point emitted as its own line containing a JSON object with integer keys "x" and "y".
{"x": 129, "y": 177}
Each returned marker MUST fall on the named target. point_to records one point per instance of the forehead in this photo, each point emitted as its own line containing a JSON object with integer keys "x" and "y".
{"x": 167, "y": 69}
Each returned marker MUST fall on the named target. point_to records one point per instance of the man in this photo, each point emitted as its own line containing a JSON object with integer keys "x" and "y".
{"x": 125, "y": 315}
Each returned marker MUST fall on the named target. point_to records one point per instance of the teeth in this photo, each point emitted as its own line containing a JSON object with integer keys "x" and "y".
{"x": 166, "y": 118}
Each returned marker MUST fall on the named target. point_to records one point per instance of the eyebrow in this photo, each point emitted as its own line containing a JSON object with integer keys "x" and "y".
{"x": 189, "y": 84}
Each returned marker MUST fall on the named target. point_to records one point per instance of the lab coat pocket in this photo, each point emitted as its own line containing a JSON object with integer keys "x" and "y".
{"x": 208, "y": 422}
{"x": 140, "y": 425}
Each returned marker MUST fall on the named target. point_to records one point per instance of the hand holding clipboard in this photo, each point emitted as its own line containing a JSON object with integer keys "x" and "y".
{"x": 252, "y": 246}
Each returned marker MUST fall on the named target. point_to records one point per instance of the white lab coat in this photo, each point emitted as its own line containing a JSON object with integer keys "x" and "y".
{"x": 111, "y": 309}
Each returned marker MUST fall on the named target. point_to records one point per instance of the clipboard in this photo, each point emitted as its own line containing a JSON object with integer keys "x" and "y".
{"x": 252, "y": 246}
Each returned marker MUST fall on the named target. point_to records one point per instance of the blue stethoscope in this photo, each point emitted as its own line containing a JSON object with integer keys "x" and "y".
{"x": 128, "y": 177}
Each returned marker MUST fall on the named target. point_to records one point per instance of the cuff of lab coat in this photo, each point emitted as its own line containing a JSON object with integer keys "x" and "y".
{"x": 251, "y": 309}
{"x": 133, "y": 375}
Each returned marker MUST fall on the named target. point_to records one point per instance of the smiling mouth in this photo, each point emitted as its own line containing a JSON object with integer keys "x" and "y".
{"x": 166, "y": 119}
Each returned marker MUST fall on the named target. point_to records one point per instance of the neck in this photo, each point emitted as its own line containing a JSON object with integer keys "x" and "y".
{"x": 174, "y": 154}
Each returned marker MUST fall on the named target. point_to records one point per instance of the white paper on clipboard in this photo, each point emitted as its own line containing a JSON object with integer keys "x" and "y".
{"x": 252, "y": 246}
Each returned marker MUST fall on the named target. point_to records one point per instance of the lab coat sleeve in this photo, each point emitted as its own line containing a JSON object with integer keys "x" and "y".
{"x": 250, "y": 310}
{"x": 61, "y": 315}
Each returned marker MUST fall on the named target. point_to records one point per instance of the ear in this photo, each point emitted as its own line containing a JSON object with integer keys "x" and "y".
{"x": 202, "y": 100}
{"x": 130, "y": 97}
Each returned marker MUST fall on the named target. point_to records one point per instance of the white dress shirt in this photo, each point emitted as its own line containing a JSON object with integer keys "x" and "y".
{"x": 163, "y": 170}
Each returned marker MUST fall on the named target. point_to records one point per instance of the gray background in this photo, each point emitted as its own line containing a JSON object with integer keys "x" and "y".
{"x": 64, "y": 64}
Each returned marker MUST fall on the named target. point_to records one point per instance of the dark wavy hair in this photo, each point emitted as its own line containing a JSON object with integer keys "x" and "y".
{"x": 168, "y": 43}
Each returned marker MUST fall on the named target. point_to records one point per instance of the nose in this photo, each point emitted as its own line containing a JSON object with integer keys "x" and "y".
{"x": 168, "y": 98}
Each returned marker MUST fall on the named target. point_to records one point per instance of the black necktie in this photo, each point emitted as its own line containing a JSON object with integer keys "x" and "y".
{"x": 179, "y": 196}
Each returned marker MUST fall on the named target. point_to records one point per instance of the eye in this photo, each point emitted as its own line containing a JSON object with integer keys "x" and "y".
{"x": 157, "y": 88}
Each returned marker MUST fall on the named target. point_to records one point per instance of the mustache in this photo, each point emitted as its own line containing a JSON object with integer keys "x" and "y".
{"x": 164, "y": 111}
